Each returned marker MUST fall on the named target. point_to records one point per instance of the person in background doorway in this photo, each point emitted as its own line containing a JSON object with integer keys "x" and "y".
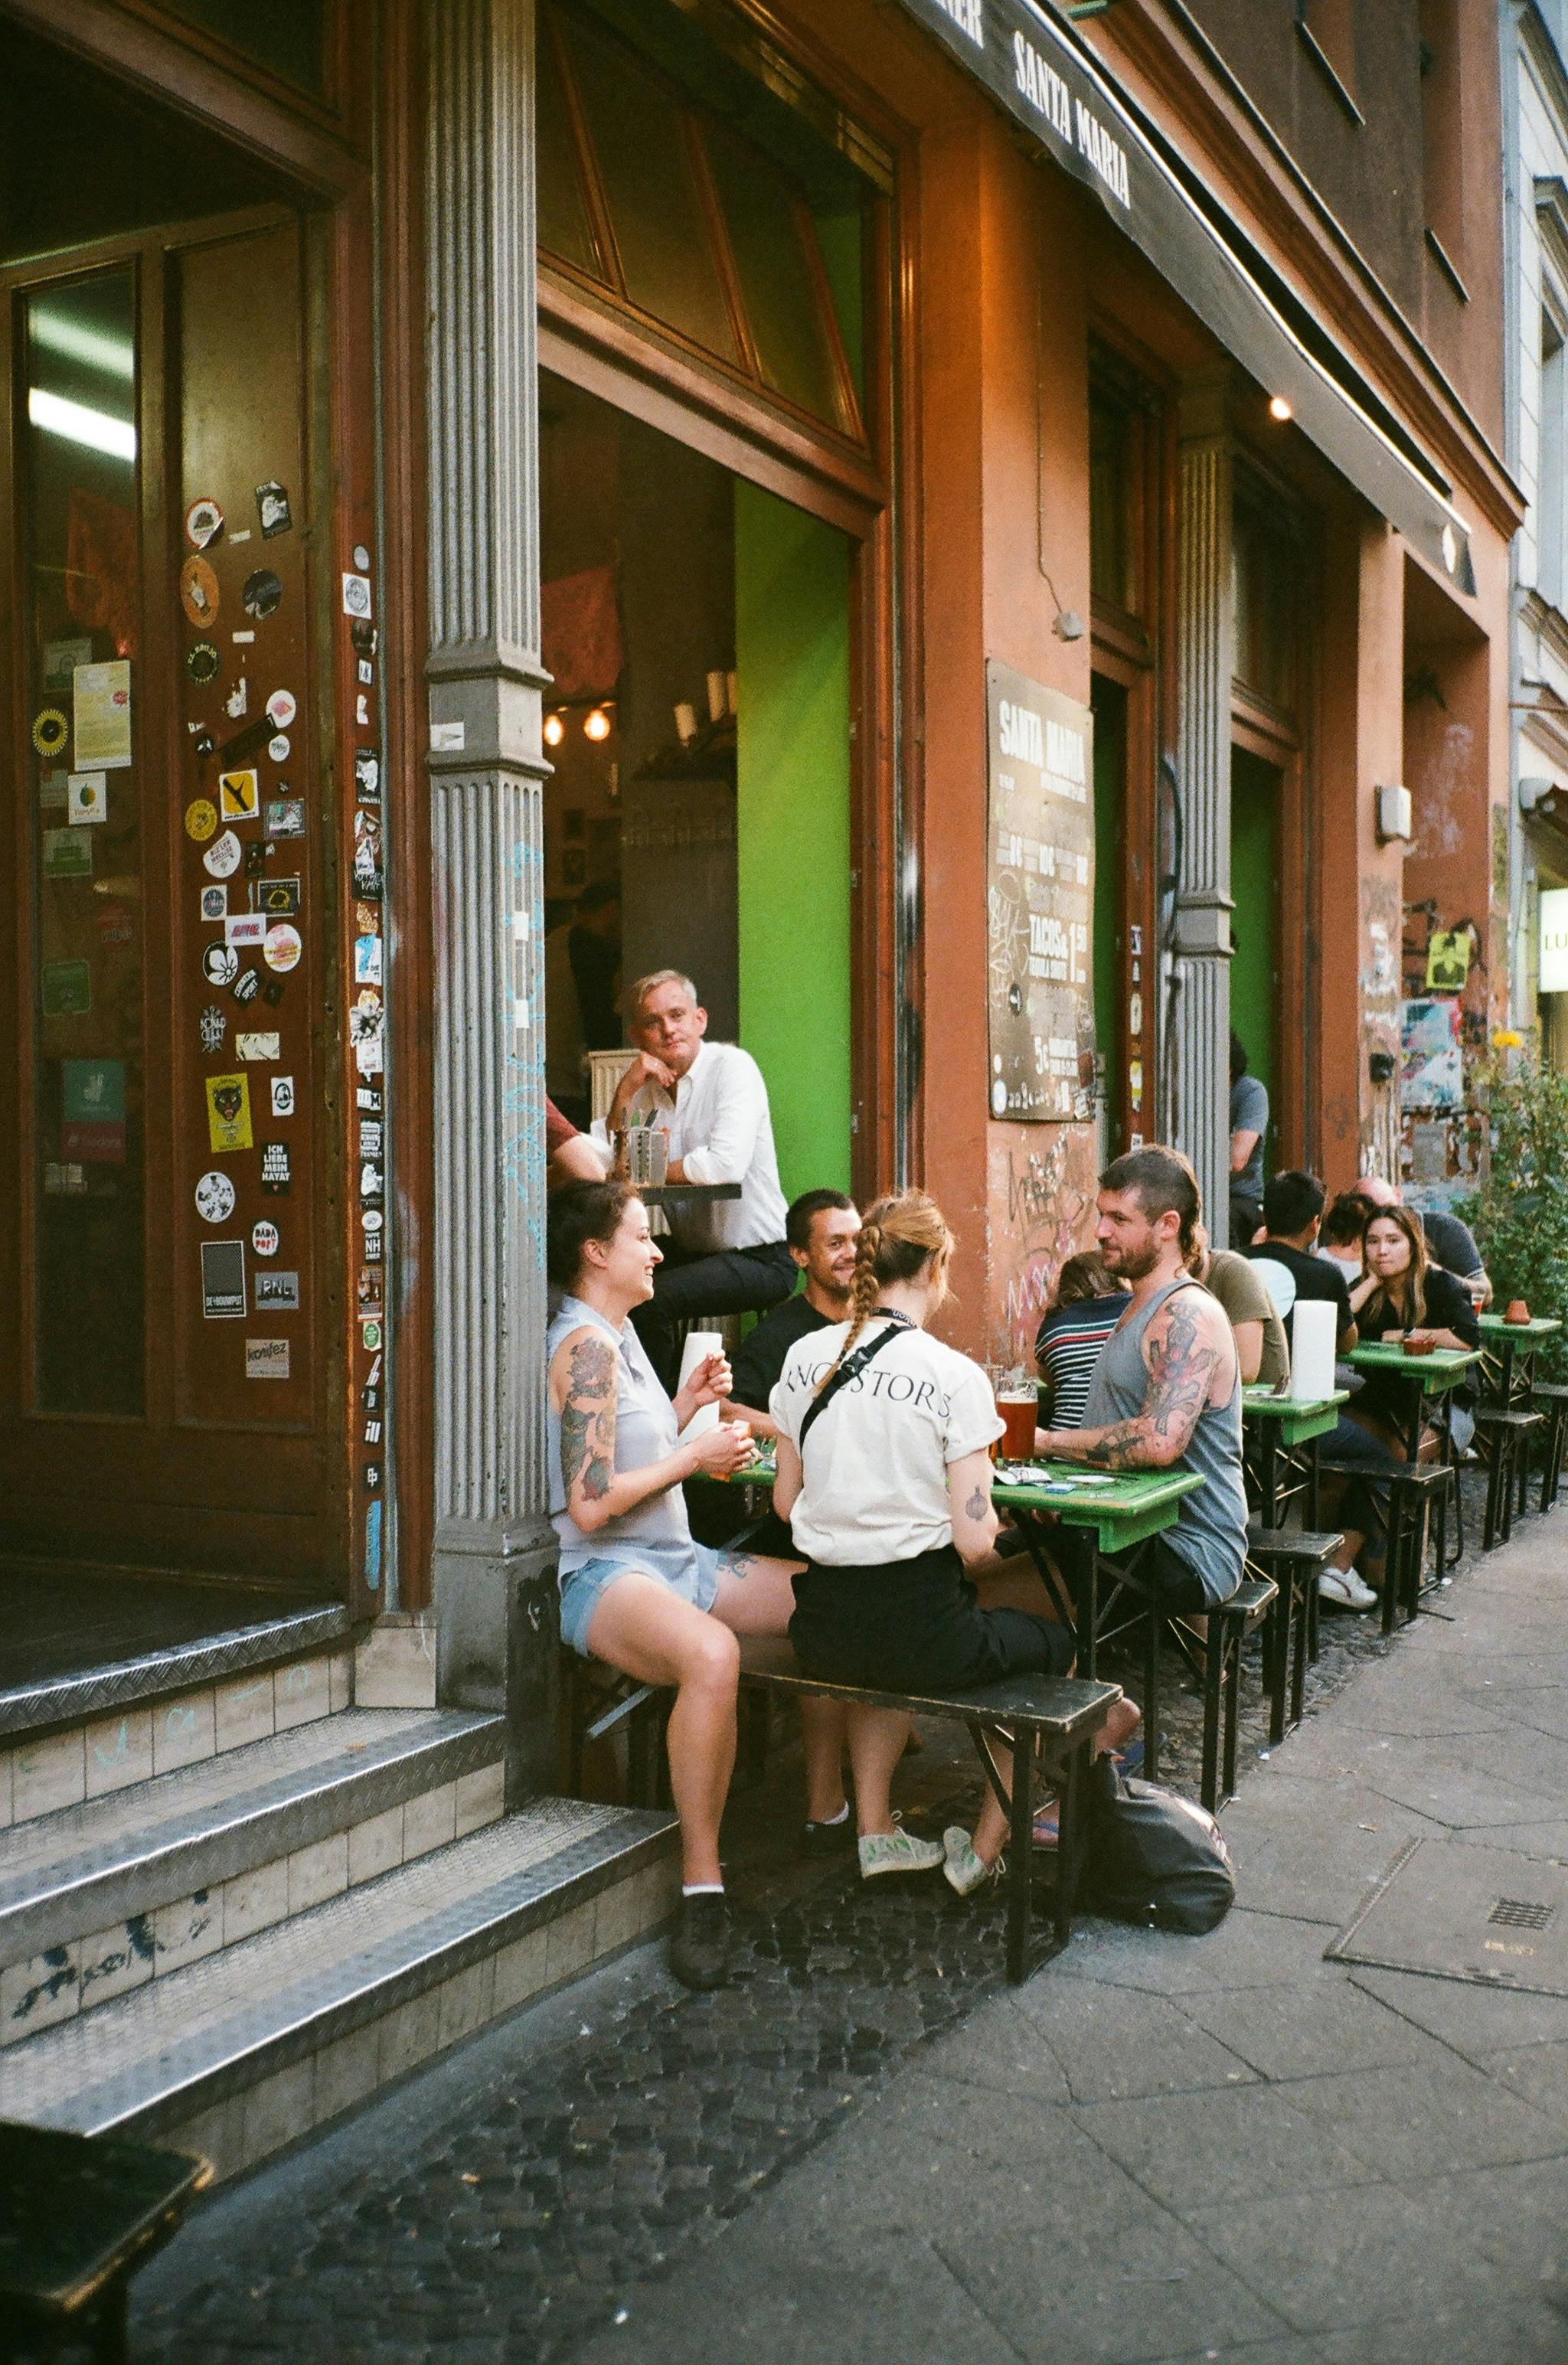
{"x": 1292, "y": 1213}
{"x": 636, "y": 1590}
{"x": 569, "y": 1156}
{"x": 726, "y": 1256}
{"x": 1248, "y": 1125}
{"x": 1450, "y": 1244}
{"x": 593, "y": 946}
{"x": 1085, "y": 1308}
{"x": 820, "y": 1231}
{"x": 1249, "y": 1308}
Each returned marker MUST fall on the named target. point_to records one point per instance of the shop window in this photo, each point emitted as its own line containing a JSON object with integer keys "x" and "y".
{"x": 694, "y": 227}
{"x": 1551, "y": 527}
{"x": 1266, "y": 584}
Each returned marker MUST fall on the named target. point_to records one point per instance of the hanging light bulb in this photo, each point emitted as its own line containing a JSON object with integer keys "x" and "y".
{"x": 555, "y": 730}
{"x": 597, "y": 725}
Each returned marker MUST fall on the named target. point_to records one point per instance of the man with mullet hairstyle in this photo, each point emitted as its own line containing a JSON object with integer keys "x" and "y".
{"x": 1167, "y": 1392}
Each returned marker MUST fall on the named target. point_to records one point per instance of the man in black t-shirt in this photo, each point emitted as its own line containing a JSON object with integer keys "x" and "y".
{"x": 1292, "y": 1209}
{"x": 820, "y": 1231}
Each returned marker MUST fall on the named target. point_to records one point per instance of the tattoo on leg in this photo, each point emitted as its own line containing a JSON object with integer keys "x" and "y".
{"x": 741, "y": 1564}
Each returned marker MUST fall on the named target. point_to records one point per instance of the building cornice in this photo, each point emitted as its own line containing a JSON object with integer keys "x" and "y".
{"x": 1203, "y": 107}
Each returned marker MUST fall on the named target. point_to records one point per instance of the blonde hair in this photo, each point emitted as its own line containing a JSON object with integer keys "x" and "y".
{"x": 899, "y": 1238}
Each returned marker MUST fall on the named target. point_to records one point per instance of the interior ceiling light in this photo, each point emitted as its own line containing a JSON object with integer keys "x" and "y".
{"x": 78, "y": 425}
{"x": 1280, "y": 408}
{"x": 555, "y": 731}
{"x": 597, "y": 725}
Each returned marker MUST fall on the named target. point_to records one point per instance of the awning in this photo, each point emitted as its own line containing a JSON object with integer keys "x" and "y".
{"x": 1048, "y": 82}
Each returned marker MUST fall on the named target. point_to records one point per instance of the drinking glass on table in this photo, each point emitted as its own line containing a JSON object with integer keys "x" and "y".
{"x": 1018, "y": 1402}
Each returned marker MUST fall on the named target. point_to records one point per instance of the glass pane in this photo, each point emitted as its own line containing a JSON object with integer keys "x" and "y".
{"x": 841, "y": 235}
{"x": 79, "y": 444}
{"x": 776, "y": 277}
{"x": 655, "y": 209}
{"x": 563, "y": 216}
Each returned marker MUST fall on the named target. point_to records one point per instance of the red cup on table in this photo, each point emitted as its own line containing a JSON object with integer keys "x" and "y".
{"x": 1020, "y": 1410}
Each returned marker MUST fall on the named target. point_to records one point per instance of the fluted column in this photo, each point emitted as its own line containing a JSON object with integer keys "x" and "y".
{"x": 486, "y": 768}
{"x": 1206, "y": 660}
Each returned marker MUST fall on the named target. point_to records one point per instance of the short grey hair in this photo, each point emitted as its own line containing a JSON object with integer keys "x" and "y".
{"x": 650, "y": 983}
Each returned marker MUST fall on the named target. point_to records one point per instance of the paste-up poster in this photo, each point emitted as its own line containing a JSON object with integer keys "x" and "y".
{"x": 1431, "y": 1073}
{"x": 1040, "y": 899}
{"x": 101, "y": 721}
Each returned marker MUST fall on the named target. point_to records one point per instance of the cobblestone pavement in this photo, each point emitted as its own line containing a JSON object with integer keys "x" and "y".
{"x": 509, "y": 2198}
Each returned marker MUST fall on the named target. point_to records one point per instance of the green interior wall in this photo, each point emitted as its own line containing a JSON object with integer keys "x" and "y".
{"x": 793, "y": 828}
{"x": 1255, "y": 788}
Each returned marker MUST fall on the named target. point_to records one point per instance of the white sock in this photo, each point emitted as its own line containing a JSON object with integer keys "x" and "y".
{"x": 827, "y": 1822}
{"x": 702, "y": 1889}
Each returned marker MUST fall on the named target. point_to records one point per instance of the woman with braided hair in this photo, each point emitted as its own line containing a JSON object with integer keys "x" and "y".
{"x": 884, "y": 1474}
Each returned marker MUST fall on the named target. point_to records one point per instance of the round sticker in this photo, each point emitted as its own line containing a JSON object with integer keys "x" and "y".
{"x": 370, "y": 1334}
{"x": 278, "y": 748}
{"x": 201, "y": 819}
{"x": 202, "y": 662}
{"x": 999, "y": 1098}
{"x": 282, "y": 709}
{"x": 362, "y": 557}
{"x": 262, "y": 593}
{"x": 220, "y": 964}
{"x": 51, "y": 731}
{"x": 371, "y": 1217}
{"x": 263, "y": 1238}
{"x": 282, "y": 947}
{"x": 222, "y": 858}
{"x": 204, "y": 523}
{"x": 198, "y": 592}
{"x": 215, "y": 1197}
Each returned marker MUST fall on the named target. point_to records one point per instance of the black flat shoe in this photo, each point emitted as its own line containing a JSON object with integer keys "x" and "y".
{"x": 703, "y": 1944}
{"x": 827, "y": 1839}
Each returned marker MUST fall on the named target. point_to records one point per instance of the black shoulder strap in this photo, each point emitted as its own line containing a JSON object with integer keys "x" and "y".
{"x": 848, "y": 1369}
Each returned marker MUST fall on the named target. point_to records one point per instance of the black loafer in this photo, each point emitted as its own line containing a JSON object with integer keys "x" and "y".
{"x": 827, "y": 1839}
{"x": 703, "y": 1944}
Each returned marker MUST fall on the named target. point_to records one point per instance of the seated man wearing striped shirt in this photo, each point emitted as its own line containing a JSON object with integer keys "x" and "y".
{"x": 1085, "y": 1310}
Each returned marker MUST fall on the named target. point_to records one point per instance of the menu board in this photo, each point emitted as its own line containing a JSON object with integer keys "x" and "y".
{"x": 1041, "y": 900}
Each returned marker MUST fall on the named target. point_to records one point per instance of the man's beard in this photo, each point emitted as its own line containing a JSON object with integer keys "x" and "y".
{"x": 1133, "y": 1264}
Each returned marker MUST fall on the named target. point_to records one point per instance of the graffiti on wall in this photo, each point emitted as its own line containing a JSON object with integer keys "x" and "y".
{"x": 1041, "y": 1210}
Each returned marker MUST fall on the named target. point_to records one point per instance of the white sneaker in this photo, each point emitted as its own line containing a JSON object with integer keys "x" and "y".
{"x": 1344, "y": 1589}
{"x": 885, "y": 1852}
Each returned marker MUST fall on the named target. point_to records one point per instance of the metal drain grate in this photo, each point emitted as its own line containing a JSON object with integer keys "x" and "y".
{"x": 1513, "y": 1913}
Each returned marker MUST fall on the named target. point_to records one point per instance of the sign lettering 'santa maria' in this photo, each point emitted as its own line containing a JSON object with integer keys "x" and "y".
{"x": 1041, "y": 901}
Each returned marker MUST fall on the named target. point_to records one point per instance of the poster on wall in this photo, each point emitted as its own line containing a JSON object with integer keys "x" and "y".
{"x": 1431, "y": 1073}
{"x": 1040, "y": 892}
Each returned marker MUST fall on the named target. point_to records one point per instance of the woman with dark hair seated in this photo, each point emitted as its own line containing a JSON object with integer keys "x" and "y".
{"x": 886, "y": 1482}
{"x": 636, "y": 1591}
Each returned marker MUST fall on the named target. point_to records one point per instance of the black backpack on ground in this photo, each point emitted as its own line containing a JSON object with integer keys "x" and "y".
{"x": 1154, "y": 1857}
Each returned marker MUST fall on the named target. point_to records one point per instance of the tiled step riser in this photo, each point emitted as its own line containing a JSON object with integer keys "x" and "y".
{"x": 281, "y": 2106}
{"x": 129, "y": 1745}
{"x": 73, "y": 1976}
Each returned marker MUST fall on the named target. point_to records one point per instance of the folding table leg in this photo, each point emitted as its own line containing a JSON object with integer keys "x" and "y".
{"x": 1021, "y": 1869}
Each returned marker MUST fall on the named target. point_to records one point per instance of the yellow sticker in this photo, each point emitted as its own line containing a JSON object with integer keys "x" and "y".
{"x": 229, "y": 1112}
{"x": 201, "y": 819}
{"x": 51, "y": 731}
{"x": 241, "y": 795}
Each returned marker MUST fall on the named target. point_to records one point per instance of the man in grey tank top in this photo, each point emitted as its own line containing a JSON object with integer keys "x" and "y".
{"x": 1167, "y": 1391}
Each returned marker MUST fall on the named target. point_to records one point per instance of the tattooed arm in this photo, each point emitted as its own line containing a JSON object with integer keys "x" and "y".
{"x": 975, "y": 1523}
{"x": 582, "y": 1384}
{"x": 1188, "y": 1348}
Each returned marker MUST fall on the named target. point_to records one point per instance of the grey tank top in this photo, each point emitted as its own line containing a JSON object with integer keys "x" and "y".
{"x": 1210, "y": 1533}
{"x": 646, "y": 1430}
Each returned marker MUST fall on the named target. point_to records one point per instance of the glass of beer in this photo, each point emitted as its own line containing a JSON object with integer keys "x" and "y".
{"x": 1018, "y": 1402}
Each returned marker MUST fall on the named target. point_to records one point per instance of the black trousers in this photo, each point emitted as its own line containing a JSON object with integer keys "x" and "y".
{"x": 691, "y": 1283}
{"x": 915, "y": 1625}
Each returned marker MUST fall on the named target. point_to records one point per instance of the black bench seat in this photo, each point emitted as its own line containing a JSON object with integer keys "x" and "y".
{"x": 78, "y": 2215}
{"x": 1049, "y": 1720}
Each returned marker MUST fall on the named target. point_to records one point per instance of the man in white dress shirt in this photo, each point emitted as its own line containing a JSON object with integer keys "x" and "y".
{"x": 724, "y": 1256}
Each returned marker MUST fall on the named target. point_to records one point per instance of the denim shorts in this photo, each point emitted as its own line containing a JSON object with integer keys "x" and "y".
{"x": 582, "y": 1589}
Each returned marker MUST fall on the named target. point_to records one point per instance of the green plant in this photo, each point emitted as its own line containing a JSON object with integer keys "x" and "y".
{"x": 1519, "y": 1215}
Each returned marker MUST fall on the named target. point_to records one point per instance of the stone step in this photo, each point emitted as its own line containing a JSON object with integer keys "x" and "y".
{"x": 96, "y": 1899}
{"x": 235, "y": 2055}
{"x": 87, "y": 1735}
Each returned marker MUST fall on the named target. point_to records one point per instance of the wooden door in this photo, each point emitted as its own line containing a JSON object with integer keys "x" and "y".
{"x": 170, "y": 1290}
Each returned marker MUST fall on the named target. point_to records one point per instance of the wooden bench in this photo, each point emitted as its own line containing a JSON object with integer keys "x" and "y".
{"x": 1052, "y": 1721}
{"x": 1549, "y": 1398}
{"x": 78, "y": 2215}
{"x": 1294, "y": 1558}
{"x": 1509, "y": 1436}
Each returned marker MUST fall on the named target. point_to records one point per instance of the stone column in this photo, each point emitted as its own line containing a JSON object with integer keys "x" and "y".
{"x": 493, "y": 1595}
{"x": 1206, "y": 659}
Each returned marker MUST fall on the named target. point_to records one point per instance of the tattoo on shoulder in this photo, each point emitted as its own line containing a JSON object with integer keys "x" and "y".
{"x": 592, "y": 1371}
{"x": 975, "y": 1507}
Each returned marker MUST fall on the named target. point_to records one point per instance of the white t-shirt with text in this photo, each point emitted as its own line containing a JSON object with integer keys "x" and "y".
{"x": 875, "y": 1465}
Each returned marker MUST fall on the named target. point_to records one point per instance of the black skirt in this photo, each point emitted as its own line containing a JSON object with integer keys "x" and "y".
{"x": 915, "y": 1625}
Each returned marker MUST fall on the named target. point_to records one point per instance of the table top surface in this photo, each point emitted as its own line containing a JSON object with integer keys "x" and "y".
{"x": 1444, "y": 1365}
{"x": 1278, "y": 1407}
{"x": 75, "y": 2209}
{"x": 1061, "y": 1486}
{"x": 1539, "y": 1326}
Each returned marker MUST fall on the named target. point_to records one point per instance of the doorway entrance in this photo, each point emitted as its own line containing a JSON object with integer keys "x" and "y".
{"x": 1256, "y": 795}
{"x": 167, "y": 1271}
